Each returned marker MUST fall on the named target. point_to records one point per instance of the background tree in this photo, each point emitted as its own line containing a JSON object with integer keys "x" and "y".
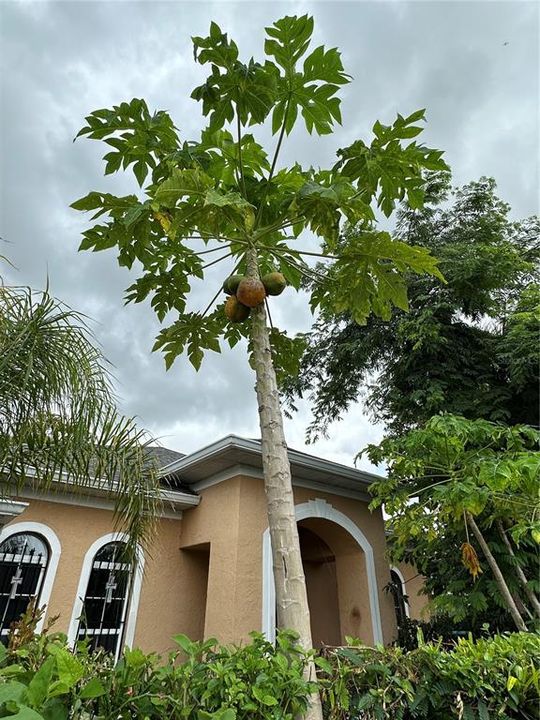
{"x": 58, "y": 418}
{"x": 225, "y": 192}
{"x": 469, "y": 346}
{"x": 463, "y": 477}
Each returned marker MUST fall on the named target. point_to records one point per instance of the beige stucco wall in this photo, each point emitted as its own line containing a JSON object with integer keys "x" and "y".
{"x": 203, "y": 574}
{"x": 232, "y": 518}
{"x": 162, "y": 607}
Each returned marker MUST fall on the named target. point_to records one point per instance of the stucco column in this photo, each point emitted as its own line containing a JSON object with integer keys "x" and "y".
{"x": 233, "y": 606}
{"x": 220, "y": 614}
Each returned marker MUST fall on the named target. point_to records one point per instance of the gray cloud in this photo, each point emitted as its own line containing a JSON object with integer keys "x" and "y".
{"x": 61, "y": 60}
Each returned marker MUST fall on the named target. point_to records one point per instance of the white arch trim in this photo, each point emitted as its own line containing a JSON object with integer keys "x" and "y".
{"x": 319, "y": 509}
{"x": 55, "y": 551}
{"x": 131, "y": 619}
{"x": 403, "y": 588}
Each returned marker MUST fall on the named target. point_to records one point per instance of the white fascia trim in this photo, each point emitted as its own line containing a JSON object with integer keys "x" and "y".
{"x": 55, "y": 552}
{"x": 202, "y": 454}
{"x": 403, "y": 589}
{"x": 295, "y": 456}
{"x": 174, "y": 497}
{"x": 320, "y": 509}
{"x": 131, "y": 619}
{"x": 101, "y": 503}
{"x": 249, "y": 471}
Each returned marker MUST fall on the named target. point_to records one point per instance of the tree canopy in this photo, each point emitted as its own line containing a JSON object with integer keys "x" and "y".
{"x": 468, "y": 346}
{"x": 225, "y": 191}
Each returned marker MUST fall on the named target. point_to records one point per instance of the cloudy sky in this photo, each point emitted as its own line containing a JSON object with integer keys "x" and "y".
{"x": 473, "y": 65}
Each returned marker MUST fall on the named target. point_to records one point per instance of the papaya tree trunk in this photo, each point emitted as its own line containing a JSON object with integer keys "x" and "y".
{"x": 291, "y": 594}
{"x": 499, "y": 577}
{"x": 522, "y": 578}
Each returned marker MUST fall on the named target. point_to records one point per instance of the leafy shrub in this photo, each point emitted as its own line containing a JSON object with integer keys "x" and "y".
{"x": 44, "y": 680}
{"x": 488, "y": 678}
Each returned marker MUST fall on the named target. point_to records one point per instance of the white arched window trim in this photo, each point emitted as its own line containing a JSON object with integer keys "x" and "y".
{"x": 55, "y": 551}
{"x": 403, "y": 589}
{"x": 319, "y": 509}
{"x": 133, "y": 607}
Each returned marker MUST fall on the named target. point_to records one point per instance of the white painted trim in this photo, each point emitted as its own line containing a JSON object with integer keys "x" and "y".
{"x": 403, "y": 589}
{"x": 320, "y": 509}
{"x": 332, "y": 490}
{"x": 183, "y": 464}
{"x": 101, "y": 503}
{"x": 100, "y": 490}
{"x": 253, "y": 472}
{"x": 55, "y": 550}
{"x": 131, "y": 618}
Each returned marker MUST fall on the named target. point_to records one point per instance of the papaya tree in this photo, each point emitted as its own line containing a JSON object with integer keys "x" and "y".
{"x": 478, "y": 480}
{"x": 224, "y": 191}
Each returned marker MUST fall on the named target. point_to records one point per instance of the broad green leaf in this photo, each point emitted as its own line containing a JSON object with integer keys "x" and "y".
{"x": 26, "y": 713}
{"x": 12, "y": 691}
{"x": 39, "y": 685}
{"x": 94, "y": 688}
{"x": 181, "y": 183}
{"x": 263, "y": 696}
{"x": 70, "y": 669}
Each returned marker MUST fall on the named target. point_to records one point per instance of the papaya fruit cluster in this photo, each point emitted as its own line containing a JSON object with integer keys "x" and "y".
{"x": 248, "y": 292}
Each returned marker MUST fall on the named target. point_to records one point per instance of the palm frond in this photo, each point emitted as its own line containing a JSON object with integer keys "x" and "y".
{"x": 59, "y": 426}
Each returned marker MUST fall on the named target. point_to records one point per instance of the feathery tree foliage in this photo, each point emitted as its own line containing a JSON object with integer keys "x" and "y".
{"x": 468, "y": 347}
{"x": 59, "y": 426}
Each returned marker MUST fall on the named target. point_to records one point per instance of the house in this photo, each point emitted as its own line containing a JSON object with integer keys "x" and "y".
{"x": 208, "y": 571}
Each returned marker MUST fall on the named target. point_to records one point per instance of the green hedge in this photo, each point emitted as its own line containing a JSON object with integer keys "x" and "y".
{"x": 41, "y": 679}
{"x": 495, "y": 677}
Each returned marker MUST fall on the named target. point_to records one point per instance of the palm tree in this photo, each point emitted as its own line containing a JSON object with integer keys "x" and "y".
{"x": 59, "y": 426}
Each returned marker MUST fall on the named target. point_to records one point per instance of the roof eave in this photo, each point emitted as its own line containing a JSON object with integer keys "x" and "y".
{"x": 182, "y": 466}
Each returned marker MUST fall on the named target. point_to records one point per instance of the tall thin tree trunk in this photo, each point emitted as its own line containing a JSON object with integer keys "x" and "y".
{"x": 519, "y": 571}
{"x": 291, "y": 594}
{"x": 499, "y": 578}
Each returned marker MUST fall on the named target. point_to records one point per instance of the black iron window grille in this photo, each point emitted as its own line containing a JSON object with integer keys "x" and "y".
{"x": 106, "y": 601}
{"x": 24, "y": 558}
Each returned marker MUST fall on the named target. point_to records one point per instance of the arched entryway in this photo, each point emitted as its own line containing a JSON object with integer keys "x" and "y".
{"x": 319, "y": 563}
{"x": 340, "y": 577}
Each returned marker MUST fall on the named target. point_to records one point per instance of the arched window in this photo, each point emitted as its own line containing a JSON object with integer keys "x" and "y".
{"x": 24, "y": 558}
{"x": 397, "y": 588}
{"x": 104, "y": 610}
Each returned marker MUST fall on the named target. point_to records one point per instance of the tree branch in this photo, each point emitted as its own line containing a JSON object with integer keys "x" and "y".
{"x": 274, "y": 160}
{"x": 499, "y": 577}
{"x": 520, "y": 574}
{"x": 215, "y": 262}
